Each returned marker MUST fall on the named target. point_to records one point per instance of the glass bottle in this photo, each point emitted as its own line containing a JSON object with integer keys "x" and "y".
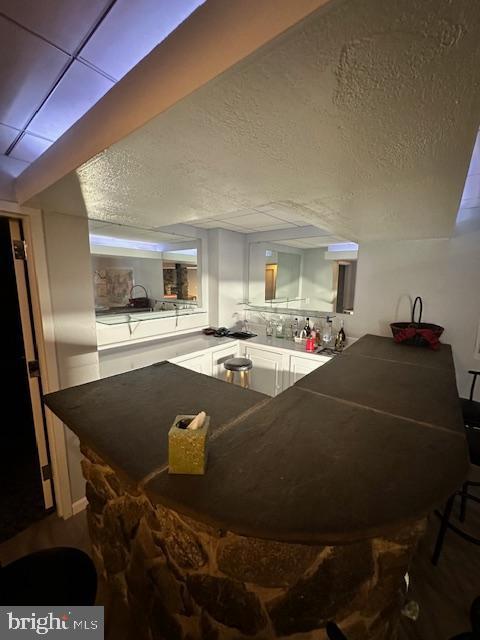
{"x": 269, "y": 328}
{"x": 327, "y": 333}
{"x": 296, "y": 328}
{"x": 279, "y": 328}
{"x": 288, "y": 330}
{"x": 307, "y": 327}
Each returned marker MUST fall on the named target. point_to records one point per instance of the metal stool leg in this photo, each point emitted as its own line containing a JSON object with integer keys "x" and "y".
{"x": 242, "y": 379}
{"x": 443, "y": 529}
{"x": 229, "y": 376}
{"x": 463, "y": 502}
{"x": 247, "y": 379}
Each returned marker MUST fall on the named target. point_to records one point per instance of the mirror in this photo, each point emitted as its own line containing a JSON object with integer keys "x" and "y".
{"x": 140, "y": 270}
{"x": 304, "y": 278}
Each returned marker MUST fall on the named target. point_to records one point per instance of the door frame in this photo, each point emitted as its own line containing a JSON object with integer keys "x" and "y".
{"x": 44, "y": 330}
{"x": 30, "y": 353}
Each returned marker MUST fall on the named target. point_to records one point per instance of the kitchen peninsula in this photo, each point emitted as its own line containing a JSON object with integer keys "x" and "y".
{"x": 310, "y": 507}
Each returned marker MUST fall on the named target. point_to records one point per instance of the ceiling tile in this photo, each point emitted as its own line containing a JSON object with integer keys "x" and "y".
{"x": 11, "y": 167}
{"x": 292, "y": 243}
{"x": 77, "y": 92}
{"x": 29, "y": 147}
{"x": 275, "y": 225}
{"x": 233, "y": 214}
{"x": 288, "y": 216}
{"x": 318, "y": 241}
{"x": 7, "y": 136}
{"x": 253, "y": 220}
{"x": 29, "y": 67}
{"x": 203, "y": 224}
{"x": 131, "y": 30}
{"x": 62, "y": 22}
{"x": 265, "y": 208}
{"x": 111, "y": 230}
{"x": 224, "y": 224}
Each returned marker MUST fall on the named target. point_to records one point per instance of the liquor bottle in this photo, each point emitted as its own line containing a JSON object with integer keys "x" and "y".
{"x": 295, "y": 328}
{"x": 340, "y": 339}
{"x": 307, "y": 327}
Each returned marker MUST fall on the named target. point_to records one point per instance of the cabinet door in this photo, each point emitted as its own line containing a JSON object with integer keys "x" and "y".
{"x": 200, "y": 363}
{"x": 220, "y": 356}
{"x": 300, "y": 367}
{"x": 266, "y": 374}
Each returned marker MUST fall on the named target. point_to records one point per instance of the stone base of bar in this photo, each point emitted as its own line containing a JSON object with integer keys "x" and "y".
{"x": 169, "y": 577}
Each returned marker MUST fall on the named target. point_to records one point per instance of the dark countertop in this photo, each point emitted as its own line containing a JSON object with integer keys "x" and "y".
{"x": 126, "y": 418}
{"x": 367, "y": 442}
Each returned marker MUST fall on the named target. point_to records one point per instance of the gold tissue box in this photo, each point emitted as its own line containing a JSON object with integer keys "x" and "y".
{"x": 187, "y": 448}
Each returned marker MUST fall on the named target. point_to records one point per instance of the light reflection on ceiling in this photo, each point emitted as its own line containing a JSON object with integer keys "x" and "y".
{"x": 59, "y": 57}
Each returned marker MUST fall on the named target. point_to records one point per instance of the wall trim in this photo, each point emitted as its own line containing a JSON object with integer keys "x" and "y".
{"x": 79, "y": 505}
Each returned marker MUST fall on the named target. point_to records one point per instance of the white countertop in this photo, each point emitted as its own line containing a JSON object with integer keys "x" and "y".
{"x": 128, "y": 357}
{"x": 165, "y": 348}
{"x": 281, "y": 343}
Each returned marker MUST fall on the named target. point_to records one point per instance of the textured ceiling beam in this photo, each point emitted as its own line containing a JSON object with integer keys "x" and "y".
{"x": 216, "y": 36}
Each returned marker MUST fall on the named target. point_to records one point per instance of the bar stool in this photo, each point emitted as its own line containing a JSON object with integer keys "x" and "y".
{"x": 243, "y": 366}
{"x": 471, "y": 418}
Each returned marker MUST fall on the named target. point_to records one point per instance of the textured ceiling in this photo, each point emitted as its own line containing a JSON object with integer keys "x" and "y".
{"x": 361, "y": 121}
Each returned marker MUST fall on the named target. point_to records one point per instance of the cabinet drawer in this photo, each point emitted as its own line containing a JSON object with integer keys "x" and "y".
{"x": 300, "y": 367}
{"x": 201, "y": 363}
{"x": 220, "y": 356}
{"x": 267, "y": 372}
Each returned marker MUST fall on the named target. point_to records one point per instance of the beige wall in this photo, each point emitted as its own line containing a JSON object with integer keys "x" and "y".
{"x": 444, "y": 272}
{"x": 69, "y": 270}
{"x": 226, "y": 277}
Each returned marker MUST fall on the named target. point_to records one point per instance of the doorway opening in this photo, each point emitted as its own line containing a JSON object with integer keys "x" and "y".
{"x": 26, "y": 493}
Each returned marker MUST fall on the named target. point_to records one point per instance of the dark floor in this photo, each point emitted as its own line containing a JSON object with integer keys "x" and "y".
{"x": 21, "y": 495}
{"x": 444, "y": 593}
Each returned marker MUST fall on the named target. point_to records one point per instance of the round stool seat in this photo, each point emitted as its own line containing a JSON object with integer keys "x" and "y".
{"x": 238, "y": 364}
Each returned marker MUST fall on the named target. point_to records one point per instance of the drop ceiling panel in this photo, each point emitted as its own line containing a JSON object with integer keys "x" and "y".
{"x": 77, "y": 92}
{"x": 63, "y": 22}
{"x": 7, "y": 136}
{"x": 257, "y": 221}
{"x": 133, "y": 29}
{"x": 11, "y": 167}
{"x": 204, "y": 224}
{"x": 310, "y": 243}
{"x": 132, "y": 233}
{"x": 29, "y": 148}
{"x": 29, "y": 66}
{"x": 245, "y": 221}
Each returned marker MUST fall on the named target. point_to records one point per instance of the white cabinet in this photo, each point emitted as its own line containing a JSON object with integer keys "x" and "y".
{"x": 201, "y": 362}
{"x": 266, "y": 375}
{"x": 301, "y": 366}
{"x": 219, "y": 356}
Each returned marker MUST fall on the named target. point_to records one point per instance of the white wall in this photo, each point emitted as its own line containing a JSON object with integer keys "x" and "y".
{"x": 227, "y": 273}
{"x": 317, "y": 280}
{"x": 70, "y": 277}
{"x": 445, "y": 272}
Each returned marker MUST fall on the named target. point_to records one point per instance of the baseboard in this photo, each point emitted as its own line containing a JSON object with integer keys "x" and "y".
{"x": 79, "y": 505}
